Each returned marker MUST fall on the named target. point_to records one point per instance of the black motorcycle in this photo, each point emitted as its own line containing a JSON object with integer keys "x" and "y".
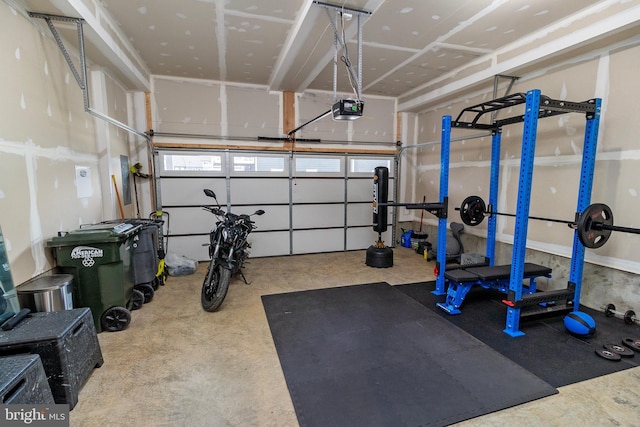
{"x": 228, "y": 250}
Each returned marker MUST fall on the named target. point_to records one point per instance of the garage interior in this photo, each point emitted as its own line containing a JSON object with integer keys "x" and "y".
{"x": 129, "y": 109}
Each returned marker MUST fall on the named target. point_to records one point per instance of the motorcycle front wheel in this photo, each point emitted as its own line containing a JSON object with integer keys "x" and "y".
{"x": 215, "y": 286}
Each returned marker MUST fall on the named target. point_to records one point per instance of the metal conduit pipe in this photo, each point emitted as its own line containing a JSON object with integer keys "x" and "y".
{"x": 82, "y": 82}
{"x": 82, "y": 78}
{"x": 426, "y": 144}
{"x": 121, "y": 125}
{"x": 474, "y": 136}
{"x": 496, "y": 82}
{"x": 422, "y": 144}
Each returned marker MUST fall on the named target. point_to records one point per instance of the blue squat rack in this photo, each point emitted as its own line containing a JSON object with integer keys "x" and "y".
{"x": 536, "y": 106}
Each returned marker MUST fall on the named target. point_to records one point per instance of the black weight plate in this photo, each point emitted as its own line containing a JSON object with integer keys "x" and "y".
{"x": 590, "y": 235}
{"x": 610, "y": 310}
{"x": 629, "y": 317}
{"x": 632, "y": 344}
{"x": 609, "y": 355}
{"x": 472, "y": 210}
{"x": 620, "y": 349}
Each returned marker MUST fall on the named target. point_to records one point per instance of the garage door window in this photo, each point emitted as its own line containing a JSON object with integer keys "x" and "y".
{"x": 318, "y": 164}
{"x": 192, "y": 162}
{"x": 367, "y": 165}
{"x": 272, "y": 164}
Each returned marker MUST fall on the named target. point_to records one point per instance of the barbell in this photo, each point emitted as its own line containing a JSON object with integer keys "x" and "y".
{"x": 594, "y": 225}
{"x": 628, "y": 316}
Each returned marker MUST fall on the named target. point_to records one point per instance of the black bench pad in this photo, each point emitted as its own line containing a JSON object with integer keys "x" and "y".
{"x": 498, "y": 272}
{"x": 461, "y": 276}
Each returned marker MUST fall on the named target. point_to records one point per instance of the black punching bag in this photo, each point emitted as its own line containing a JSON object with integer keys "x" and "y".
{"x": 380, "y": 195}
{"x": 379, "y": 255}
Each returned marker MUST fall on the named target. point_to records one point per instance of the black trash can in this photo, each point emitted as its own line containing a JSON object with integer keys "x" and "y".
{"x": 145, "y": 252}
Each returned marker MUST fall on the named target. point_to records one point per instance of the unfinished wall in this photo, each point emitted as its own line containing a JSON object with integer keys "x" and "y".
{"x": 606, "y": 74}
{"x": 49, "y": 158}
{"x": 214, "y": 111}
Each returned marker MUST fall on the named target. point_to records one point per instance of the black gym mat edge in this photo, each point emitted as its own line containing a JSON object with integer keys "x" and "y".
{"x": 547, "y": 349}
{"x": 370, "y": 355}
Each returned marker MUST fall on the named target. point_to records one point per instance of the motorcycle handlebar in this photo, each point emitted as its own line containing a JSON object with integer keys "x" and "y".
{"x": 231, "y": 216}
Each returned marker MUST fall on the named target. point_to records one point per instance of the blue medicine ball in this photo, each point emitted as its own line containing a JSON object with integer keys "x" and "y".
{"x": 579, "y": 323}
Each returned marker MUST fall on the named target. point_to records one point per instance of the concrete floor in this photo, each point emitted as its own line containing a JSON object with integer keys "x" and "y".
{"x": 177, "y": 365}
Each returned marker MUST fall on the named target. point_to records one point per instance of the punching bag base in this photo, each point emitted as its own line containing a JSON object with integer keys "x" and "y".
{"x": 379, "y": 257}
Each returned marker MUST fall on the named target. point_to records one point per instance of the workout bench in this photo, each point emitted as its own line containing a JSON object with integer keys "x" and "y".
{"x": 496, "y": 277}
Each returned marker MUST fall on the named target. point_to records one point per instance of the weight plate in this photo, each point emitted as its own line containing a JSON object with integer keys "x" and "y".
{"x": 609, "y": 355}
{"x": 610, "y": 310}
{"x": 620, "y": 349}
{"x": 632, "y": 344}
{"x": 629, "y": 317}
{"x": 472, "y": 210}
{"x": 589, "y": 223}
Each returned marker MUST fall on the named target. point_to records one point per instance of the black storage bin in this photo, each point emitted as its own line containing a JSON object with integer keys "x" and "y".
{"x": 67, "y": 343}
{"x": 23, "y": 381}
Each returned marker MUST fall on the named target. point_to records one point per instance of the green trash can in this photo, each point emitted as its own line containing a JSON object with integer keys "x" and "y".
{"x": 100, "y": 259}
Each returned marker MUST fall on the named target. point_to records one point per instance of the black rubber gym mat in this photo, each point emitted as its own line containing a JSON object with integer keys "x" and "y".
{"x": 547, "y": 349}
{"x": 369, "y": 355}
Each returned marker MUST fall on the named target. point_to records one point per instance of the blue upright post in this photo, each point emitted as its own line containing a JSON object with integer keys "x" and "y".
{"x": 441, "y": 257}
{"x": 584, "y": 197}
{"x": 493, "y": 194}
{"x": 532, "y": 108}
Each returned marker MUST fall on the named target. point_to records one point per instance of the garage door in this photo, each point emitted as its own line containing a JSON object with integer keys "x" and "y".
{"x": 313, "y": 202}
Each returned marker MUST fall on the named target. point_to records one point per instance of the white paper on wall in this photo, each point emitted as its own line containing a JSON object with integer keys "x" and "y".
{"x": 83, "y": 182}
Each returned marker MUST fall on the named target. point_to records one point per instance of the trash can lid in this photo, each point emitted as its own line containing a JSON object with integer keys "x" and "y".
{"x": 145, "y": 222}
{"x": 111, "y": 227}
{"x": 97, "y": 233}
{"x": 45, "y": 283}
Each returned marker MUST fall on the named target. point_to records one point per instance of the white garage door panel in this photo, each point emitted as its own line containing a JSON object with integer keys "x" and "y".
{"x": 264, "y": 190}
{"x": 269, "y": 244}
{"x": 310, "y": 241}
{"x": 361, "y": 190}
{"x": 191, "y": 247}
{"x": 318, "y": 190}
{"x": 189, "y": 191}
{"x": 262, "y": 244}
{"x": 362, "y": 238}
{"x": 274, "y": 218}
{"x": 316, "y": 216}
{"x": 362, "y": 214}
{"x": 189, "y": 220}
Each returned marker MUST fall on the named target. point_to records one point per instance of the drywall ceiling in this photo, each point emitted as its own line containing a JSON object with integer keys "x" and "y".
{"x": 289, "y": 44}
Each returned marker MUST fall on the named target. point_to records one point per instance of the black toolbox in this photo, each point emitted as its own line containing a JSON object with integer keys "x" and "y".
{"x": 67, "y": 344}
